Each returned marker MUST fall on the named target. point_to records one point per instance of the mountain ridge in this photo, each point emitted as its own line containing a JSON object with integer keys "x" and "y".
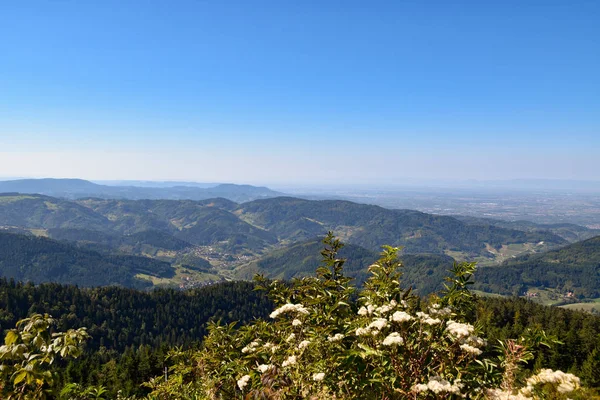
{"x": 208, "y": 239}
{"x": 370, "y": 226}
{"x": 80, "y": 188}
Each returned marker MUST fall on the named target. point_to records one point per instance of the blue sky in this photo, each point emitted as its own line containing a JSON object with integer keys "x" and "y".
{"x": 300, "y": 91}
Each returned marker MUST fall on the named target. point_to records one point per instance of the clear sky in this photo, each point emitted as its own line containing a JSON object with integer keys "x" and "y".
{"x": 300, "y": 91}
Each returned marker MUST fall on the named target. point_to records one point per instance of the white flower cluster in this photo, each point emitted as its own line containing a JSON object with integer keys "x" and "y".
{"x": 362, "y": 331}
{"x": 458, "y": 330}
{"x": 463, "y": 333}
{"x": 335, "y": 338}
{"x": 289, "y": 308}
{"x": 378, "y": 324}
{"x": 243, "y": 381}
{"x": 565, "y": 382}
{"x": 393, "y": 339}
{"x": 431, "y": 321}
{"x": 319, "y": 376}
{"x": 426, "y": 319}
{"x": 438, "y": 385}
{"x": 251, "y": 347}
{"x": 400, "y": 316}
{"x": 303, "y": 344}
{"x": 271, "y": 346}
{"x": 467, "y": 348}
{"x": 296, "y": 322}
{"x": 374, "y": 327}
{"x": 370, "y": 309}
{"x": 291, "y": 360}
{"x": 383, "y": 309}
{"x": 264, "y": 367}
{"x": 476, "y": 341}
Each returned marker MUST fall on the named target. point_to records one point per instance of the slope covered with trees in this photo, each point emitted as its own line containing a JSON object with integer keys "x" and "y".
{"x": 423, "y": 272}
{"x": 263, "y": 222}
{"x": 570, "y": 232}
{"x": 37, "y": 259}
{"x": 131, "y": 331}
{"x": 43, "y": 212}
{"x": 369, "y": 226}
{"x": 575, "y": 267}
{"x": 265, "y": 231}
{"x": 118, "y": 318}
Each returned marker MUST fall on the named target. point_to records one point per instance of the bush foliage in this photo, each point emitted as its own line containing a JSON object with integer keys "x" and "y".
{"x": 327, "y": 340}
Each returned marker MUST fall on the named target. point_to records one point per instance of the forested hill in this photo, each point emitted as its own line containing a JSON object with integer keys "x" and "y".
{"x": 196, "y": 222}
{"x": 256, "y": 225}
{"x": 570, "y": 232}
{"x": 120, "y": 317}
{"x": 575, "y": 267}
{"x": 38, "y": 259}
{"x": 41, "y": 212}
{"x": 423, "y": 272}
{"x": 371, "y": 226}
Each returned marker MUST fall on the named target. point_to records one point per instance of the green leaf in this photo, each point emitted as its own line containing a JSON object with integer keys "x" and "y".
{"x": 19, "y": 377}
{"x": 11, "y": 337}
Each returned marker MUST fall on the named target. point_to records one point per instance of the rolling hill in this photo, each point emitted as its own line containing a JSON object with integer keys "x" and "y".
{"x": 258, "y": 224}
{"x": 371, "y": 226}
{"x": 36, "y": 259}
{"x": 575, "y": 267}
{"x": 44, "y": 212}
{"x": 570, "y": 232}
{"x": 199, "y": 223}
{"x": 424, "y": 272}
{"x": 114, "y": 223}
{"x": 216, "y": 237}
{"x": 152, "y": 238}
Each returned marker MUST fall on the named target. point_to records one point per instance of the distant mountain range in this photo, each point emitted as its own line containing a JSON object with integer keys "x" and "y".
{"x": 158, "y": 184}
{"x": 79, "y": 188}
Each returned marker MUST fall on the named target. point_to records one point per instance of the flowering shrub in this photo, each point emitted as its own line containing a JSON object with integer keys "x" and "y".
{"x": 326, "y": 340}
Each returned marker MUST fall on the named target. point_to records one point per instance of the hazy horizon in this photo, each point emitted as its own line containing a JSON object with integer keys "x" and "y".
{"x": 330, "y": 188}
{"x": 300, "y": 93}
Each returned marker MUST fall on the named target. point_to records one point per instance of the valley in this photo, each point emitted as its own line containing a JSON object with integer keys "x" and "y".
{"x": 203, "y": 242}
